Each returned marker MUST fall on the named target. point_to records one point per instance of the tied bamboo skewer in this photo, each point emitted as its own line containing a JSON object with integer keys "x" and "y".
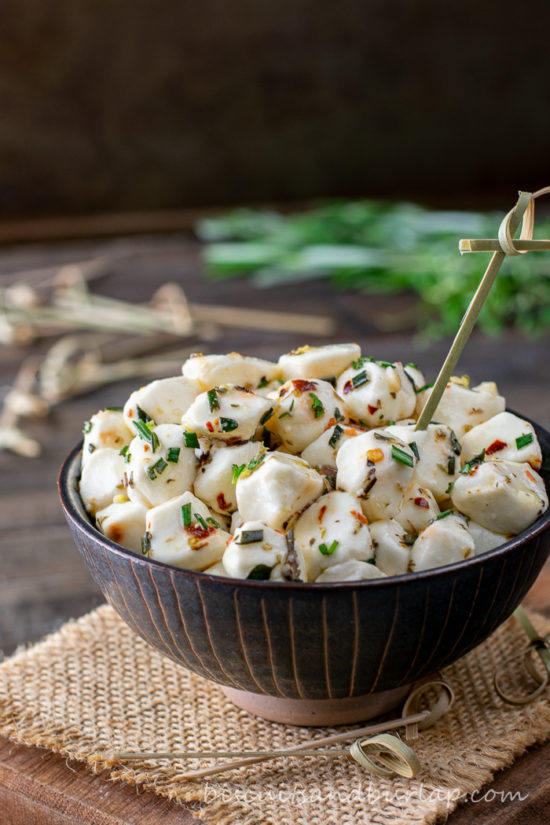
{"x": 523, "y": 212}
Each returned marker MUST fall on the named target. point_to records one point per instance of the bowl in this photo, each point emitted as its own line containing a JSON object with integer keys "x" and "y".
{"x": 311, "y": 653}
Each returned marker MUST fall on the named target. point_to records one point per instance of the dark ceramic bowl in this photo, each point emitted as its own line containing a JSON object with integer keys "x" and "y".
{"x": 311, "y": 653}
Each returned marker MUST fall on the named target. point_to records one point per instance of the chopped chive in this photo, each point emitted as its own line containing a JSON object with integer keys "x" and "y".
{"x": 263, "y": 382}
{"x": 201, "y": 521}
{"x": 212, "y": 522}
{"x": 267, "y": 415}
{"x": 316, "y": 405}
{"x": 151, "y": 473}
{"x": 409, "y": 538}
{"x": 142, "y": 415}
{"x": 147, "y": 434}
{"x": 338, "y": 415}
{"x": 255, "y": 462}
{"x": 455, "y": 443}
{"x": 186, "y": 514}
{"x": 336, "y": 433}
{"x": 443, "y": 515}
{"x": 449, "y": 489}
{"x": 91, "y": 448}
{"x": 191, "y": 440}
{"x": 524, "y": 440}
{"x": 283, "y": 415}
{"x": 213, "y": 401}
{"x": 160, "y": 466}
{"x": 451, "y": 465}
{"x": 237, "y": 470}
{"x": 360, "y": 379}
{"x": 474, "y": 462}
{"x": 228, "y": 424}
{"x": 173, "y": 455}
{"x": 86, "y": 427}
{"x": 411, "y": 379}
{"x": 114, "y": 409}
{"x": 358, "y": 364}
{"x": 124, "y": 450}
{"x": 146, "y": 544}
{"x": 328, "y": 551}
{"x": 410, "y": 364}
{"x": 400, "y": 455}
{"x": 414, "y": 448}
{"x": 386, "y": 364}
{"x": 425, "y": 387}
{"x": 261, "y": 571}
{"x": 280, "y": 380}
{"x": 380, "y": 437}
{"x": 291, "y": 405}
{"x": 250, "y": 536}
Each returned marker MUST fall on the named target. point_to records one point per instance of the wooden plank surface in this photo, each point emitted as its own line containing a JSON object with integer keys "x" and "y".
{"x": 42, "y": 579}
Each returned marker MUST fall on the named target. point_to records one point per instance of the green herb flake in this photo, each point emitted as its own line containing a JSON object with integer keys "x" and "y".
{"x": 261, "y": 572}
{"x": 191, "y": 440}
{"x": 474, "y": 462}
{"x": 142, "y": 415}
{"x": 186, "y": 514}
{"x": 386, "y": 364}
{"x": 91, "y": 448}
{"x": 114, "y": 409}
{"x": 146, "y": 544}
{"x": 338, "y": 415}
{"x": 316, "y": 405}
{"x": 173, "y": 455}
{"x": 524, "y": 440}
{"x": 250, "y": 536}
{"x": 147, "y": 434}
{"x": 410, "y": 364}
{"x": 201, "y": 521}
{"x": 160, "y": 466}
{"x": 328, "y": 551}
{"x": 409, "y": 539}
{"x": 414, "y": 447}
{"x": 443, "y": 514}
{"x": 228, "y": 424}
{"x": 237, "y": 470}
{"x": 449, "y": 489}
{"x": 400, "y": 455}
{"x": 451, "y": 465}
{"x": 267, "y": 415}
{"x": 336, "y": 433}
{"x": 86, "y": 427}
{"x": 213, "y": 401}
{"x": 212, "y": 522}
{"x": 425, "y": 387}
{"x": 360, "y": 379}
{"x": 359, "y": 363}
{"x": 283, "y": 415}
{"x": 263, "y": 382}
{"x": 124, "y": 450}
{"x": 151, "y": 473}
{"x": 255, "y": 462}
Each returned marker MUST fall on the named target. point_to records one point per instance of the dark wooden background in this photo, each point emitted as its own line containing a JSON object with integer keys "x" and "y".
{"x": 145, "y": 104}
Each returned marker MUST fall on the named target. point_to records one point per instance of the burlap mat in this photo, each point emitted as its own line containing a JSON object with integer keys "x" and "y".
{"x": 94, "y": 687}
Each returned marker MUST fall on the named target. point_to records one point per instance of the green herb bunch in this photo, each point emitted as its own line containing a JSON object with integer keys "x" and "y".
{"x": 382, "y": 247}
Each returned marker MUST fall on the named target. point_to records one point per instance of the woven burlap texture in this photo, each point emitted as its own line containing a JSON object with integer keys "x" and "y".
{"x": 94, "y": 687}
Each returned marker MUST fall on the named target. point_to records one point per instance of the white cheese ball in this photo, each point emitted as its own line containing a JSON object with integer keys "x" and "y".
{"x": 102, "y": 479}
{"x": 227, "y": 413}
{"x": 216, "y": 569}
{"x": 368, "y": 469}
{"x": 155, "y": 476}
{"x": 318, "y": 362}
{"x": 304, "y": 410}
{"x": 254, "y": 551}
{"x": 445, "y": 541}
{"x": 418, "y": 507}
{"x": 463, "y": 408}
{"x": 282, "y": 486}
{"x": 106, "y": 428}
{"x": 322, "y": 452}
{"x": 499, "y": 438}
{"x": 375, "y": 393}
{"x": 214, "y": 370}
{"x": 439, "y": 455}
{"x": 331, "y": 531}
{"x": 350, "y": 571}
{"x": 194, "y": 546}
{"x": 124, "y": 523}
{"x": 484, "y": 539}
{"x": 164, "y": 401}
{"x": 502, "y": 496}
{"x": 392, "y": 546}
{"x": 214, "y": 479}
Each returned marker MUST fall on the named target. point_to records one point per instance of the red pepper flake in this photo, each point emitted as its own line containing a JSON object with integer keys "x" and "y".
{"x": 348, "y": 386}
{"x": 209, "y": 426}
{"x": 198, "y": 531}
{"x": 322, "y": 512}
{"x": 421, "y": 502}
{"x": 304, "y": 386}
{"x": 359, "y": 516}
{"x": 350, "y": 432}
{"x": 495, "y": 447}
{"x": 222, "y": 503}
{"x": 331, "y": 423}
{"x": 474, "y": 470}
{"x": 372, "y": 409}
{"x": 530, "y": 477}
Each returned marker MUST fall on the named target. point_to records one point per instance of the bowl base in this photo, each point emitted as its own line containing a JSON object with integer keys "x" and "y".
{"x": 317, "y": 712}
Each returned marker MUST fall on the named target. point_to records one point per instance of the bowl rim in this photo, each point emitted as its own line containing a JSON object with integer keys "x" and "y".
{"x": 535, "y": 529}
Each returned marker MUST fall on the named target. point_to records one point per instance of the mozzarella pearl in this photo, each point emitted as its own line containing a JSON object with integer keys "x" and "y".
{"x": 164, "y": 401}
{"x": 463, "y": 408}
{"x": 124, "y": 523}
{"x": 368, "y": 469}
{"x": 498, "y": 436}
{"x": 350, "y": 571}
{"x": 321, "y": 455}
{"x": 216, "y": 569}
{"x": 392, "y": 547}
{"x": 277, "y": 490}
{"x": 149, "y": 481}
{"x": 502, "y": 496}
{"x": 193, "y": 547}
{"x": 102, "y": 479}
{"x": 214, "y": 479}
{"x": 107, "y": 428}
{"x": 418, "y": 507}
{"x": 214, "y": 370}
{"x": 240, "y": 560}
{"x": 318, "y": 362}
{"x": 445, "y": 541}
{"x": 227, "y": 413}
{"x": 484, "y": 539}
{"x": 331, "y": 531}
{"x": 375, "y": 394}
{"x": 304, "y": 410}
{"x": 439, "y": 455}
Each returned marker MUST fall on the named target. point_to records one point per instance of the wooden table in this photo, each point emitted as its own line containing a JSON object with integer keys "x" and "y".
{"x": 43, "y": 581}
